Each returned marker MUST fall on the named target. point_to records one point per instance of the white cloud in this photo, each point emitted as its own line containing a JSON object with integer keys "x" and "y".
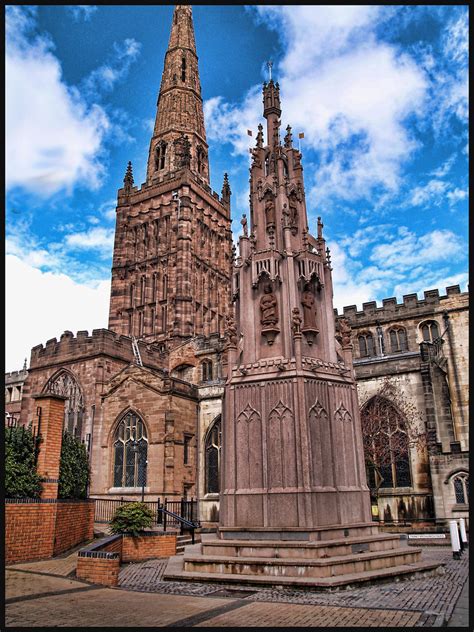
{"x": 82, "y": 11}
{"x": 40, "y": 305}
{"x": 107, "y": 75}
{"x": 358, "y": 93}
{"x": 98, "y": 238}
{"x": 456, "y": 195}
{"x": 409, "y": 249}
{"x": 60, "y": 145}
{"x": 445, "y": 168}
{"x": 432, "y": 192}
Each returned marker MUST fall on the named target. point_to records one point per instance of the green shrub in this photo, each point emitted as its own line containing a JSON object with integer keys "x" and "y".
{"x": 73, "y": 468}
{"x": 131, "y": 518}
{"x": 21, "y": 478}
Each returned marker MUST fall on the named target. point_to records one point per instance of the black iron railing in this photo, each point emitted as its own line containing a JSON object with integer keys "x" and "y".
{"x": 177, "y": 510}
{"x": 170, "y": 517}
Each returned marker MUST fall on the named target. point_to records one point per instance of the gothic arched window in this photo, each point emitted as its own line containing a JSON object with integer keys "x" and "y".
{"x": 130, "y": 452}
{"x": 142, "y": 289}
{"x": 366, "y": 345}
{"x": 429, "y": 330}
{"x": 386, "y": 445}
{"x": 206, "y": 370}
{"x": 160, "y": 156}
{"x": 213, "y": 457}
{"x": 461, "y": 488}
{"x": 183, "y": 69}
{"x": 398, "y": 339}
{"x": 64, "y": 383}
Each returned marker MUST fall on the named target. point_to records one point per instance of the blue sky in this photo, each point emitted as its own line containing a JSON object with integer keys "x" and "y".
{"x": 380, "y": 93}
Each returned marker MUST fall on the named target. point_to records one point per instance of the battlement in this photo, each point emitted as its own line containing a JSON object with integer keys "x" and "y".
{"x": 14, "y": 377}
{"x": 390, "y": 306}
{"x": 100, "y": 342}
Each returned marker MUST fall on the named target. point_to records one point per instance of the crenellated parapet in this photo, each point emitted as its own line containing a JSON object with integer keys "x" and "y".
{"x": 101, "y": 342}
{"x": 410, "y": 306}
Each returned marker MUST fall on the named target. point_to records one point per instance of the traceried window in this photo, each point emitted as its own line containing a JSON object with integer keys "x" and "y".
{"x": 130, "y": 452}
{"x": 461, "y": 488}
{"x": 64, "y": 383}
{"x": 429, "y": 331}
{"x": 386, "y": 445}
{"x": 366, "y": 345}
{"x": 212, "y": 457}
{"x": 183, "y": 69}
{"x": 398, "y": 339}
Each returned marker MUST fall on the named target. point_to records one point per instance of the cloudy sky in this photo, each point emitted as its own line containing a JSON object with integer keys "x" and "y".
{"x": 379, "y": 92}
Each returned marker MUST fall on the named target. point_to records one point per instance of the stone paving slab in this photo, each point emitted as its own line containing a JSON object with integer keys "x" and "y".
{"x": 63, "y": 566}
{"x": 25, "y": 584}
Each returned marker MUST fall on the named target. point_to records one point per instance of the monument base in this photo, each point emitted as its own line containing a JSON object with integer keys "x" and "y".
{"x": 328, "y": 557}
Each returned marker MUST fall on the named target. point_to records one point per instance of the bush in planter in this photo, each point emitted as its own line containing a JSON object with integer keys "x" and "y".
{"x": 131, "y": 518}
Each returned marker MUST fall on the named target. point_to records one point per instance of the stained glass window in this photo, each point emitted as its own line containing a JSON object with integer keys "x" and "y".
{"x": 130, "y": 452}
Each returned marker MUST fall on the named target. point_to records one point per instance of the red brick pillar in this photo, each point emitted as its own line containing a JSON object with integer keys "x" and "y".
{"x": 51, "y": 429}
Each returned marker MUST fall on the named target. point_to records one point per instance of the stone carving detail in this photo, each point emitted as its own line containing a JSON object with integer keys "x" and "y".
{"x": 317, "y": 412}
{"x": 342, "y": 414}
{"x": 230, "y": 329}
{"x": 309, "y": 310}
{"x": 296, "y": 320}
{"x": 280, "y": 412}
{"x": 345, "y": 331}
{"x": 243, "y": 221}
{"x": 268, "y": 307}
{"x": 248, "y": 414}
{"x": 182, "y": 151}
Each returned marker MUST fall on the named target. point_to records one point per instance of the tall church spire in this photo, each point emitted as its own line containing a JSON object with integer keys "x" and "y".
{"x": 179, "y": 137}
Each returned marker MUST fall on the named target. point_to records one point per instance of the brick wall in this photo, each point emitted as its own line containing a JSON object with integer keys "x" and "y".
{"x": 38, "y": 530}
{"x": 147, "y": 546}
{"x": 29, "y": 528}
{"x": 74, "y": 524}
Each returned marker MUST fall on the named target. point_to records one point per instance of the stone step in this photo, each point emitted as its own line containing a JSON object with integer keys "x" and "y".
{"x": 299, "y": 534}
{"x": 302, "y": 567}
{"x": 286, "y": 549}
{"x": 175, "y": 572}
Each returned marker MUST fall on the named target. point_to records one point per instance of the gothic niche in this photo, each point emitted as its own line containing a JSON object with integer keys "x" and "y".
{"x": 308, "y": 301}
{"x": 269, "y": 206}
{"x": 269, "y": 313}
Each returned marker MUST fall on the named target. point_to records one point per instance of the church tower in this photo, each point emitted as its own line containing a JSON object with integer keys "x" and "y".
{"x": 172, "y": 251}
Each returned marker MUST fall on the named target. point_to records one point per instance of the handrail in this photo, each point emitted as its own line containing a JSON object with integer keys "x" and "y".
{"x": 184, "y": 522}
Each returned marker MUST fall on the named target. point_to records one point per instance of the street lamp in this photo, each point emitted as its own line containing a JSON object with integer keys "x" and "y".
{"x": 135, "y": 448}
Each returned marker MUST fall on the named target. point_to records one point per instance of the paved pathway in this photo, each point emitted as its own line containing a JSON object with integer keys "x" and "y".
{"x": 36, "y": 599}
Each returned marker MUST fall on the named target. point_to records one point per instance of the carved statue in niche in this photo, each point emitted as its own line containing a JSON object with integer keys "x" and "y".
{"x": 270, "y": 212}
{"x": 296, "y": 320}
{"x": 309, "y": 310}
{"x": 345, "y": 331}
{"x": 285, "y": 219}
{"x": 293, "y": 211}
{"x": 268, "y": 307}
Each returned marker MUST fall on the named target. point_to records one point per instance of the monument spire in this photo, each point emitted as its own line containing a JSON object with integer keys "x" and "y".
{"x": 179, "y": 118}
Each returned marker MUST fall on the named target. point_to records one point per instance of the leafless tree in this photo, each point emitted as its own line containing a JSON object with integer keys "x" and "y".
{"x": 392, "y": 427}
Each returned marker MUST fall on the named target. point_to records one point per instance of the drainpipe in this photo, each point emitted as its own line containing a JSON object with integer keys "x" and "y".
{"x": 447, "y": 325}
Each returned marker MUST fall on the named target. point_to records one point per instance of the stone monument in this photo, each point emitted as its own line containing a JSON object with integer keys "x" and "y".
{"x": 294, "y": 502}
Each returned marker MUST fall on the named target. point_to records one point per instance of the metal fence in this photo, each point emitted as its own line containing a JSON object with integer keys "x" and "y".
{"x": 105, "y": 509}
